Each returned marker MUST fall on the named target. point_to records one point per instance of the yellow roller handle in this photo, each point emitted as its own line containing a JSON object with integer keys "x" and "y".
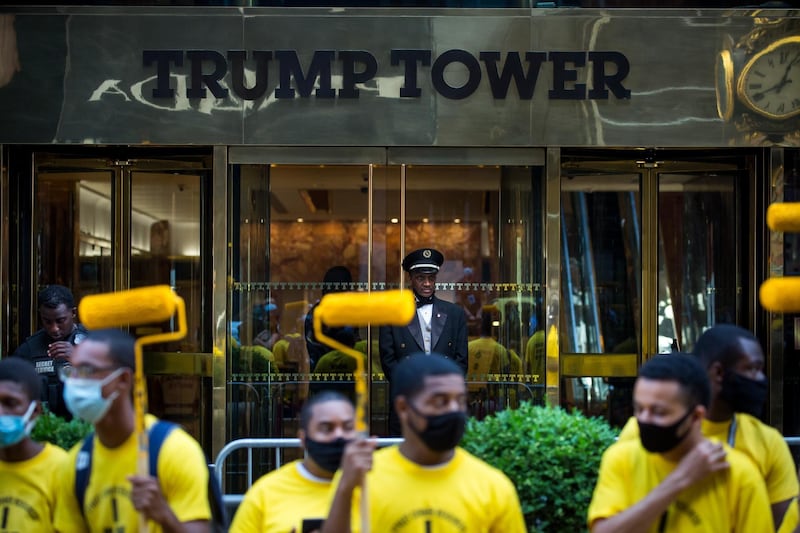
{"x": 781, "y": 295}
{"x": 146, "y": 305}
{"x": 784, "y": 216}
{"x": 385, "y": 308}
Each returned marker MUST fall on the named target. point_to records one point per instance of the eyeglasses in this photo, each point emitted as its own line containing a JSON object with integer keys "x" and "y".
{"x": 82, "y": 371}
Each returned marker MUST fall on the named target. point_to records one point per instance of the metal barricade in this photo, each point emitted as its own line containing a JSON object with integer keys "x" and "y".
{"x": 271, "y": 409}
{"x": 233, "y": 500}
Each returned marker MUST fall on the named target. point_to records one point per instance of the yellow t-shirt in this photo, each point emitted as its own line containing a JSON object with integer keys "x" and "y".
{"x": 485, "y": 356}
{"x": 765, "y": 446}
{"x": 731, "y": 500}
{"x": 280, "y": 500}
{"x": 465, "y": 494}
{"x": 535, "y": 354}
{"x": 336, "y": 362}
{"x": 182, "y": 475}
{"x": 28, "y": 491}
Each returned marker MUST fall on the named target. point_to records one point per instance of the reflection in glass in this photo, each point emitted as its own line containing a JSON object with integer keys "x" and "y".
{"x": 697, "y": 257}
{"x": 602, "y": 262}
{"x": 72, "y": 225}
{"x": 291, "y": 223}
{"x": 165, "y": 242}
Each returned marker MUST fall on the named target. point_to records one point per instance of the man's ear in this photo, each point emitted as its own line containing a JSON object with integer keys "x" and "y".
{"x": 127, "y": 378}
{"x": 716, "y": 372}
{"x": 400, "y": 405}
{"x": 37, "y": 411}
{"x": 699, "y": 413}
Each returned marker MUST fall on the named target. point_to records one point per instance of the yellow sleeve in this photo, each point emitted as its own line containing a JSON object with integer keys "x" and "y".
{"x": 183, "y": 476}
{"x": 781, "y": 475}
{"x": 608, "y": 498}
{"x": 753, "y": 512}
{"x": 249, "y": 515}
{"x": 67, "y": 516}
{"x": 510, "y": 519}
{"x": 630, "y": 431}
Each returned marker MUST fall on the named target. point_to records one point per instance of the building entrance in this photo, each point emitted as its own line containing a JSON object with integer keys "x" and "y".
{"x": 655, "y": 249}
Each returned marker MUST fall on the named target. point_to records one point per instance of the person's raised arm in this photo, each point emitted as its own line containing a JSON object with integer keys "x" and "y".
{"x": 356, "y": 462}
{"x": 149, "y": 500}
{"x": 703, "y": 460}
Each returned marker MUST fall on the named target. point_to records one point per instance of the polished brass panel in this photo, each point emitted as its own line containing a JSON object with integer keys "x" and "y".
{"x": 121, "y": 202}
{"x": 552, "y": 245}
{"x": 775, "y": 332}
{"x": 178, "y": 363}
{"x": 649, "y": 293}
{"x": 599, "y": 365}
{"x": 219, "y": 295}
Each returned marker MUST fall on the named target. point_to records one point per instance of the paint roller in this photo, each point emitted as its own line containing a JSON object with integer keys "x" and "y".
{"x": 784, "y": 216}
{"x": 782, "y": 294}
{"x": 145, "y": 305}
{"x": 385, "y": 308}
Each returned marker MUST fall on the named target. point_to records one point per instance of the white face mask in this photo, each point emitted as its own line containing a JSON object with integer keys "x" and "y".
{"x": 84, "y": 397}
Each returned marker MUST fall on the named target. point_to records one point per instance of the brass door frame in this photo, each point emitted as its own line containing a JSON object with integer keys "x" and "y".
{"x": 121, "y": 171}
{"x": 649, "y": 169}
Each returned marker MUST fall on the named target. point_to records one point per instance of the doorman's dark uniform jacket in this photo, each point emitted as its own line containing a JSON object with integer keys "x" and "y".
{"x": 448, "y": 337}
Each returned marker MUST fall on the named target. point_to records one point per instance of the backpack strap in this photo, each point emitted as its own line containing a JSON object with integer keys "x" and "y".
{"x": 83, "y": 467}
{"x": 157, "y": 434}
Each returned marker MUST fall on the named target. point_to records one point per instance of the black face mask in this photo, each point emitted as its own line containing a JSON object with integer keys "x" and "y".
{"x": 327, "y": 455}
{"x": 743, "y": 394}
{"x": 660, "y": 439}
{"x": 443, "y": 432}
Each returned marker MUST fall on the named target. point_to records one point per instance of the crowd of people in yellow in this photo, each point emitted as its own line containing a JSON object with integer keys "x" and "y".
{"x": 694, "y": 457}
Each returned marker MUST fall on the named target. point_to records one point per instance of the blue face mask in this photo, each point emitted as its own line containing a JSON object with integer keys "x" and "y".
{"x": 14, "y": 428}
{"x": 84, "y": 397}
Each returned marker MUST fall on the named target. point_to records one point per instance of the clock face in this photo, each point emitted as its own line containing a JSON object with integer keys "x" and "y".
{"x": 724, "y": 84}
{"x": 770, "y": 81}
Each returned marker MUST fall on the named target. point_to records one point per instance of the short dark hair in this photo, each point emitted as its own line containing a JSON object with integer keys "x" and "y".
{"x": 722, "y": 343}
{"x": 121, "y": 346}
{"x": 338, "y": 274}
{"x": 321, "y": 397}
{"x": 408, "y": 378}
{"x": 53, "y": 296}
{"x": 684, "y": 369}
{"x": 18, "y": 370}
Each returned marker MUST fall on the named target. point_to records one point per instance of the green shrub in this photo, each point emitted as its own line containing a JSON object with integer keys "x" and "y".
{"x": 551, "y": 455}
{"x": 52, "y": 428}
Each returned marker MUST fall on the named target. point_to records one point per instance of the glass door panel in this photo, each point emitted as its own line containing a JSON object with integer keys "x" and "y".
{"x": 652, "y": 248}
{"x": 601, "y": 253}
{"x": 487, "y": 221}
{"x": 165, "y": 237}
{"x": 104, "y": 224}
{"x": 601, "y": 281}
{"x": 292, "y": 223}
{"x": 697, "y": 278}
{"x": 72, "y": 229}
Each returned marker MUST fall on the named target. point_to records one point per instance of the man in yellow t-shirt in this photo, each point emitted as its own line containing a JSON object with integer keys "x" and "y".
{"x": 28, "y": 469}
{"x": 427, "y": 483}
{"x": 97, "y": 388}
{"x": 673, "y": 479}
{"x": 734, "y": 363}
{"x": 296, "y": 496}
